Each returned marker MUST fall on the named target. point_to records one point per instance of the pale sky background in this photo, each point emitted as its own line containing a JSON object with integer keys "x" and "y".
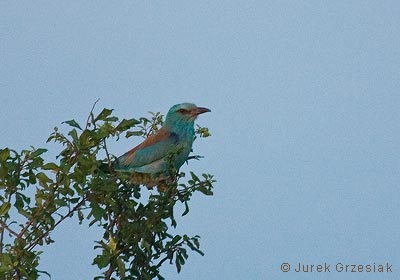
{"x": 305, "y": 99}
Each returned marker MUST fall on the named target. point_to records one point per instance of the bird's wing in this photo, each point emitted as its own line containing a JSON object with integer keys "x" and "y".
{"x": 153, "y": 148}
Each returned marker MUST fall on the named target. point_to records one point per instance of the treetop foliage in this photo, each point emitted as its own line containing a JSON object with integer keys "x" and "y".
{"x": 36, "y": 196}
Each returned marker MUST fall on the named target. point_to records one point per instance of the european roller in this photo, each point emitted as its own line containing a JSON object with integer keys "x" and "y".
{"x": 169, "y": 148}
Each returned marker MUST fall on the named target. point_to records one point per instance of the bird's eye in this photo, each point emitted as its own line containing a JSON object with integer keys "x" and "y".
{"x": 182, "y": 111}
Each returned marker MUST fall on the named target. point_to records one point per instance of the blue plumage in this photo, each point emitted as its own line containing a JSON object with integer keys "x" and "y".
{"x": 174, "y": 140}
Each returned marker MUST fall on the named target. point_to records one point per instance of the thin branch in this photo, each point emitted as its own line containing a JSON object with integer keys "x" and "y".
{"x": 174, "y": 249}
{"x": 109, "y": 272}
{"x": 34, "y": 217}
{"x": 107, "y": 153}
{"x": 27, "y": 225}
{"x": 34, "y": 242}
{"x": 163, "y": 260}
{"x": 4, "y": 225}
{"x": 91, "y": 114}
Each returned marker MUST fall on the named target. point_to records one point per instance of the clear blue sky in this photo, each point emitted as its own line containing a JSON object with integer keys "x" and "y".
{"x": 305, "y": 99}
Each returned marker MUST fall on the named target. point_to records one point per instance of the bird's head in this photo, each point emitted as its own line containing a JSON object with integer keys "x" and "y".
{"x": 184, "y": 113}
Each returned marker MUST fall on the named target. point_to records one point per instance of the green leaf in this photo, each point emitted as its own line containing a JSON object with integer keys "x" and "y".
{"x": 133, "y": 133}
{"x": 97, "y": 211}
{"x": 4, "y": 208}
{"x": 176, "y": 239}
{"x": 60, "y": 202}
{"x": 194, "y": 177}
{"x": 103, "y": 115}
{"x": 85, "y": 138}
{"x": 121, "y": 268}
{"x": 196, "y": 241}
{"x": 195, "y": 247}
{"x": 44, "y": 272}
{"x": 73, "y": 123}
{"x": 19, "y": 203}
{"x": 51, "y": 166}
{"x": 186, "y": 209}
{"x": 205, "y": 191}
{"x": 184, "y": 253}
{"x": 101, "y": 261}
{"x": 73, "y": 134}
{"x": 80, "y": 216}
{"x": 38, "y": 152}
{"x": 197, "y": 250}
{"x": 202, "y": 131}
{"x": 32, "y": 178}
{"x": 111, "y": 119}
{"x": 126, "y": 124}
{"x": 179, "y": 262}
{"x": 3, "y": 172}
{"x": 43, "y": 179}
{"x": 4, "y": 154}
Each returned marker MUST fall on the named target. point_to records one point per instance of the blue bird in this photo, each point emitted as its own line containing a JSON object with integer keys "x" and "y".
{"x": 169, "y": 148}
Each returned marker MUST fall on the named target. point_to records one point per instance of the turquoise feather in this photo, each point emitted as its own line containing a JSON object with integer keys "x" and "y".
{"x": 174, "y": 140}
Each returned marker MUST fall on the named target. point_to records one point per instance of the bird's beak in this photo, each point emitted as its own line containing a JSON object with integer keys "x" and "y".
{"x": 199, "y": 110}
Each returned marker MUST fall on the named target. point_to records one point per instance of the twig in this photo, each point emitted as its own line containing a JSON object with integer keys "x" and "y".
{"x": 27, "y": 225}
{"x": 34, "y": 242}
{"x": 107, "y": 154}
{"x": 33, "y": 218}
{"x": 174, "y": 249}
{"x": 109, "y": 272}
{"x": 4, "y": 225}
{"x": 91, "y": 114}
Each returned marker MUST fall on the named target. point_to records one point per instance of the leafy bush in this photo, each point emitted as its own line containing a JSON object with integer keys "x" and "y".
{"x": 36, "y": 196}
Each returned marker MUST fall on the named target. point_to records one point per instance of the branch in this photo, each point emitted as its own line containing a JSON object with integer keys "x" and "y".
{"x": 173, "y": 249}
{"x": 34, "y": 217}
{"x": 107, "y": 153}
{"x": 109, "y": 272}
{"x": 27, "y": 225}
{"x": 34, "y": 242}
{"x": 4, "y": 225}
{"x": 91, "y": 114}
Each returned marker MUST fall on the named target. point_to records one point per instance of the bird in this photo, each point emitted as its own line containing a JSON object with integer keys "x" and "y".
{"x": 151, "y": 161}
